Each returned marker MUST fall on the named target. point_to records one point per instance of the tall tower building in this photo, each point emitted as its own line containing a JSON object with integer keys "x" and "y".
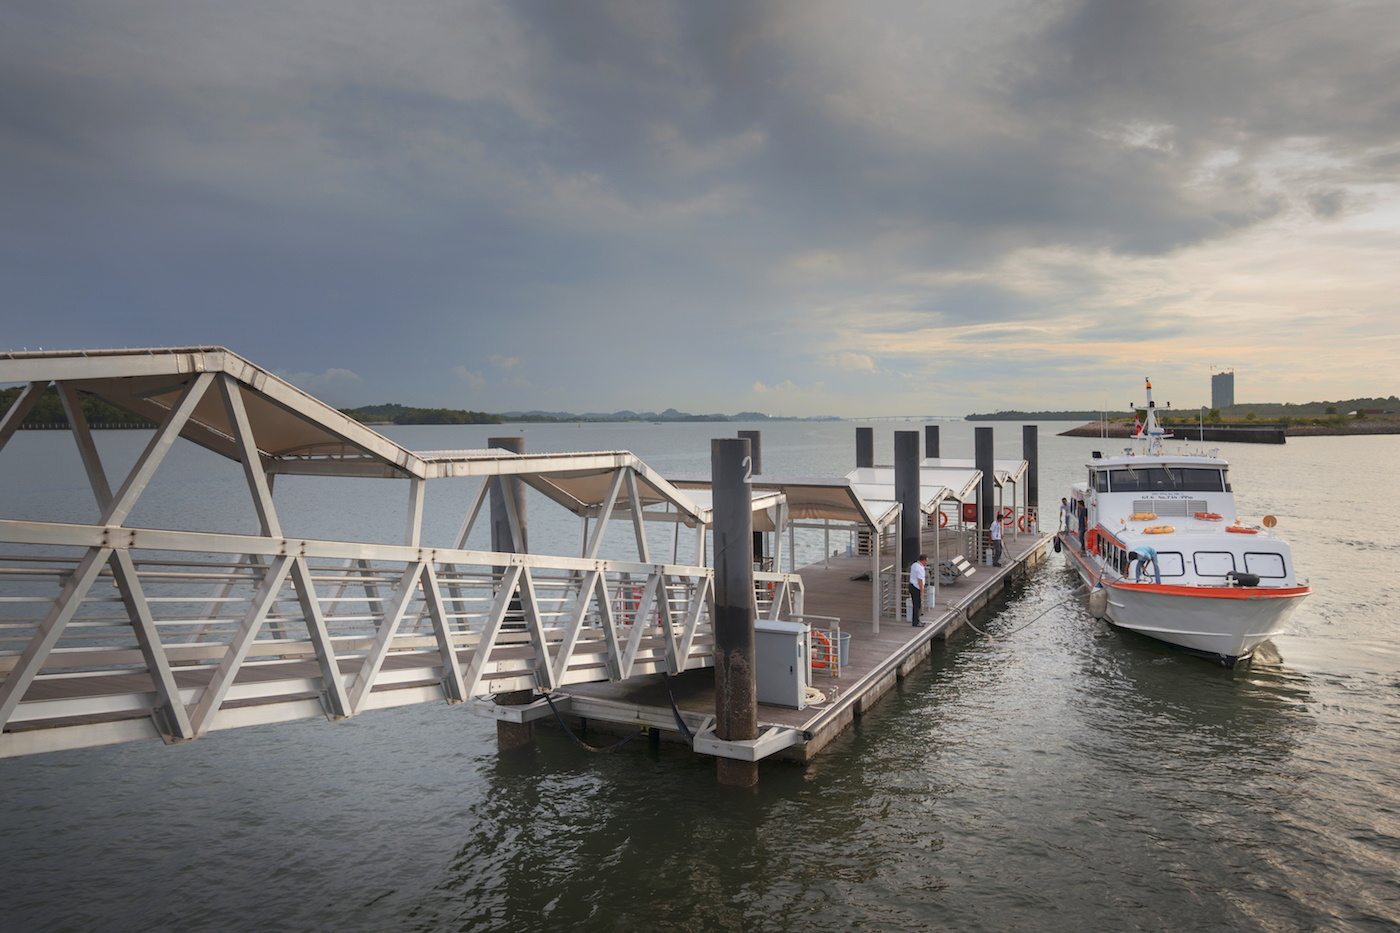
{"x": 1222, "y": 390}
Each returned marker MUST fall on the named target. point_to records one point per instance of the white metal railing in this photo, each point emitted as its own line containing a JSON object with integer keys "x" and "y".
{"x": 103, "y": 627}
{"x": 823, "y": 645}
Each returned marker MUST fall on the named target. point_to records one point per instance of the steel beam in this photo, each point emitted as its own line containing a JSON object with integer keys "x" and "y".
{"x": 333, "y": 683}
{"x": 14, "y": 415}
{"x": 208, "y": 708}
{"x": 171, "y": 718}
{"x": 92, "y": 464}
{"x": 404, "y": 593}
{"x": 155, "y": 451}
{"x": 31, "y": 660}
{"x": 248, "y": 455}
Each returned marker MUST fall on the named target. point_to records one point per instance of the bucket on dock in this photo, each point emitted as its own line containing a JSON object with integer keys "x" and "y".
{"x": 844, "y": 653}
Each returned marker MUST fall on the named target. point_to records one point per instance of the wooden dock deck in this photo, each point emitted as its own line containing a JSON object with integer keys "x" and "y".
{"x": 876, "y": 662}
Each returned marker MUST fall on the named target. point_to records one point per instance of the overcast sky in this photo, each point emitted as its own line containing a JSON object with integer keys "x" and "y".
{"x": 793, "y": 207}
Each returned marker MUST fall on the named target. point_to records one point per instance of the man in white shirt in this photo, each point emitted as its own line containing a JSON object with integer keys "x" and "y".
{"x": 918, "y": 577}
{"x": 1066, "y": 514}
{"x": 996, "y": 541}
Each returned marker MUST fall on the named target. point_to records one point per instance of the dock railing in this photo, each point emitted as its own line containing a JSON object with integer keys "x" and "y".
{"x": 823, "y": 645}
{"x": 109, "y": 634}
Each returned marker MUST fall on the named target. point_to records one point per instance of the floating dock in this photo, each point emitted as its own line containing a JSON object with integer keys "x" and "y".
{"x": 876, "y": 661}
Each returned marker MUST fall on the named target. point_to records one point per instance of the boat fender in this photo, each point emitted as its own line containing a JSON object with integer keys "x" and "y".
{"x": 1098, "y": 602}
{"x": 1243, "y": 579}
{"x": 1057, "y": 544}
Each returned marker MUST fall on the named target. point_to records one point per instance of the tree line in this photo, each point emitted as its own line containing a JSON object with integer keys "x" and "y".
{"x": 48, "y": 410}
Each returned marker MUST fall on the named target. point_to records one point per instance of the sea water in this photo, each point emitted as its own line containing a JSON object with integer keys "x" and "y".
{"x": 1068, "y": 776}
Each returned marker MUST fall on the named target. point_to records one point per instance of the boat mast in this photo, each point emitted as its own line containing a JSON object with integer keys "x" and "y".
{"x": 1151, "y": 430}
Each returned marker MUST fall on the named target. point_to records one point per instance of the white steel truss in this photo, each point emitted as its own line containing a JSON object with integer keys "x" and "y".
{"x": 110, "y": 633}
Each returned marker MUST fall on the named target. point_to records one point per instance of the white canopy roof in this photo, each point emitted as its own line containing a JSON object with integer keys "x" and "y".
{"x": 1004, "y": 471}
{"x": 297, "y": 434}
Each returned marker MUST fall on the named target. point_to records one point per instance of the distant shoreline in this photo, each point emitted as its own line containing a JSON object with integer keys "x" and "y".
{"x": 1352, "y": 428}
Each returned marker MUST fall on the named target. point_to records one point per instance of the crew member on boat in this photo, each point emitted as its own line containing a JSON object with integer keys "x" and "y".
{"x": 1142, "y": 554}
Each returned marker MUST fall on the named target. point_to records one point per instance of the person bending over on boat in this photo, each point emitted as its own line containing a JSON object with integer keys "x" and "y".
{"x": 1142, "y": 555}
{"x": 918, "y": 576}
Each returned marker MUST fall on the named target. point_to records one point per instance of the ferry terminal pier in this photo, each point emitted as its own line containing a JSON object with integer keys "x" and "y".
{"x": 116, "y": 633}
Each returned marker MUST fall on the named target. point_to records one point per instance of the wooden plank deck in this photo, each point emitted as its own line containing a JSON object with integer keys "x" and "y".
{"x": 876, "y": 661}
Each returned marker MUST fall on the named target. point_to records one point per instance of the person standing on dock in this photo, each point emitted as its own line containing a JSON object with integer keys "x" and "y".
{"x": 918, "y": 576}
{"x": 996, "y": 541}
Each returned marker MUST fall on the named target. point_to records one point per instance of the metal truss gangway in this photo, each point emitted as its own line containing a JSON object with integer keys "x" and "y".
{"x": 111, "y": 632}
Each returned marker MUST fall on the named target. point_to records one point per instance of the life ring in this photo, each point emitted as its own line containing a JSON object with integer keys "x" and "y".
{"x": 1008, "y": 515}
{"x": 1143, "y": 516}
{"x": 1239, "y": 529}
{"x": 1209, "y": 516}
{"x": 1021, "y": 522}
{"x": 942, "y": 519}
{"x": 826, "y": 645}
{"x": 1158, "y": 530}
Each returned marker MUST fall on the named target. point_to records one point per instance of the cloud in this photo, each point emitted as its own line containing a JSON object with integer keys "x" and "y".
{"x": 472, "y": 380}
{"x": 852, "y": 362}
{"x": 331, "y": 377}
{"x": 862, "y": 185}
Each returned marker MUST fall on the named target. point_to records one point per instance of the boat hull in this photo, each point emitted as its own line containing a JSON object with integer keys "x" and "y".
{"x": 1226, "y": 623}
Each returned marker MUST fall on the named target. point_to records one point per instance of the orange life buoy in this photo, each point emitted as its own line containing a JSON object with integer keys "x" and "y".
{"x": 1239, "y": 529}
{"x": 1021, "y": 522}
{"x": 1209, "y": 516}
{"x": 1158, "y": 530}
{"x": 826, "y": 646}
{"x": 942, "y": 519}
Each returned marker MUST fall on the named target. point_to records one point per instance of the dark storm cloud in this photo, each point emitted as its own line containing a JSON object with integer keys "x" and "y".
{"x": 463, "y": 179}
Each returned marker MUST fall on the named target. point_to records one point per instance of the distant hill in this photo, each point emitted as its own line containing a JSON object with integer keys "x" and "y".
{"x": 1047, "y": 416}
{"x": 401, "y": 415}
{"x": 398, "y": 414}
{"x": 1262, "y": 411}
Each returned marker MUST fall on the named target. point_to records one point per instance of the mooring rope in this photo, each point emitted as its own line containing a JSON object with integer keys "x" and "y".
{"x": 962, "y": 610}
{"x": 580, "y": 742}
{"x": 666, "y": 679}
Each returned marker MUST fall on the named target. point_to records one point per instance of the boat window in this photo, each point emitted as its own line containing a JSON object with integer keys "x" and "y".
{"x": 1177, "y": 479}
{"x": 1171, "y": 563}
{"x": 1094, "y": 482}
{"x": 1214, "y": 563}
{"x": 1199, "y": 479}
{"x": 1265, "y": 565}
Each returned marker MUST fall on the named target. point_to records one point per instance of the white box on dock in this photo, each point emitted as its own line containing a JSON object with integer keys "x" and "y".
{"x": 780, "y": 657}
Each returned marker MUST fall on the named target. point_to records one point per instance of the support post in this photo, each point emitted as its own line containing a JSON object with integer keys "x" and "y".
{"x": 865, "y": 447}
{"x": 736, "y": 686}
{"x": 510, "y": 735}
{"x": 986, "y": 489}
{"x": 906, "y": 492}
{"x": 1030, "y": 452}
{"x": 931, "y": 441}
{"x": 755, "y": 439}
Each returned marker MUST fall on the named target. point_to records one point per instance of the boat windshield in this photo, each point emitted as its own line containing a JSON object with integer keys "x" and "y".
{"x": 1168, "y": 478}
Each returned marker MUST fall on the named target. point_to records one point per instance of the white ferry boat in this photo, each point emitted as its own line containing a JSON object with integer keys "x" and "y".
{"x": 1165, "y": 554}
